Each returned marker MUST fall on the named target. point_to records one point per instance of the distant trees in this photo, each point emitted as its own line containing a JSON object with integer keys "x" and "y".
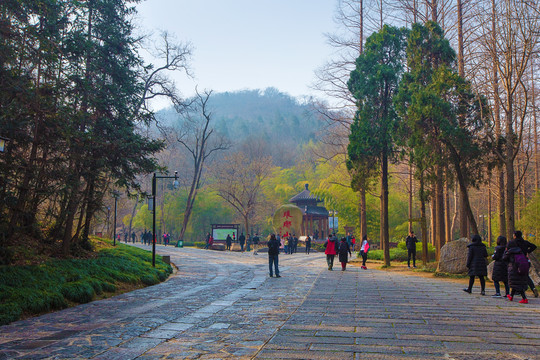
{"x": 238, "y": 180}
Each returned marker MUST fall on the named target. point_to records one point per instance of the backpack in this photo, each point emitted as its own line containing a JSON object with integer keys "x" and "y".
{"x": 522, "y": 264}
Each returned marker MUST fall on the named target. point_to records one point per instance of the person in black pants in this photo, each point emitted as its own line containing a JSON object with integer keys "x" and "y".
{"x": 410, "y": 243}
{"x": 308, "y": 244}
{"x": 527, "y": 248}
{"x": 476, "y": 262}
{"x": 273, "y": 255}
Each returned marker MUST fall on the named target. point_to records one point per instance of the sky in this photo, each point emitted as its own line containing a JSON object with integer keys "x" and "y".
{"x": 246, "y": 44}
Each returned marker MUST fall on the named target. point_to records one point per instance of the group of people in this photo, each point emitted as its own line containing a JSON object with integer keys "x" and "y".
{"x": 245, "y": 242}
{"x": 511, "y": 266}
{"x": 344, "y": 249}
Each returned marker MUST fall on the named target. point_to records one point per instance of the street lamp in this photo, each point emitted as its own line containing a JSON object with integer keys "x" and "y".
{"x": 108, "y": 219}
{"x": 154, "y": 190}
{"x": 116, "y": 195}
{"x": 3, "y": 143}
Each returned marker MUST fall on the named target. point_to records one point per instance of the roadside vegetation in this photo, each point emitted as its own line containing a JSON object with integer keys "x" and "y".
{"x": 29, "y": 290}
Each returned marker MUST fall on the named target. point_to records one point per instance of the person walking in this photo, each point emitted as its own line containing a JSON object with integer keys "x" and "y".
{"x": 228, "y": 242}
{"x": 242, "y": 241}
{"x": 517, "y": 280}
{"x": 133, "y": 237}
{"x": 500, "y": 268}
{"x": 255, "y": 243}
{"x": 295, "y": 243}
{"x": 364, "y": 248}
{"x": 476, "y": 263}
{"x": 410, "y": 243}
{"x": 273, "y": 256}
{"x": 207, "y": 240}
{"x": 331, "y": 248}
{"x": 308, "y": 244}
{"x": 527, "y": 248}
{"x": 248, "y": 243}
{"x": 344, "y": 250}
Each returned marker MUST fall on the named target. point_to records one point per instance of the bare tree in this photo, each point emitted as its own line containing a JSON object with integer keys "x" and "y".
{"x": 511, "y": 40}
{"x": 197, "y": 136}
{"x": 238, "y": 181}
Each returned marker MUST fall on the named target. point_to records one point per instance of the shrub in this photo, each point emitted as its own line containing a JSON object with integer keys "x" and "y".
{"x": 9, "y": 312}
{"x": 40, "y": 288}
{"x": 79, "y": 292}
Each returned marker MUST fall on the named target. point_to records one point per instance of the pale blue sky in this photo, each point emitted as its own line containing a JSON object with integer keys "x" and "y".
{"x": 247, "y": 44}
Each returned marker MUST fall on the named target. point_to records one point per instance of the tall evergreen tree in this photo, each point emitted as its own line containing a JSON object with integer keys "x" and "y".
{"x": 373, "y": 84}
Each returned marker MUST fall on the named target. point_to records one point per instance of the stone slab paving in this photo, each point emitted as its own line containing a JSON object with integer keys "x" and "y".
{"x": 223, "y": 305}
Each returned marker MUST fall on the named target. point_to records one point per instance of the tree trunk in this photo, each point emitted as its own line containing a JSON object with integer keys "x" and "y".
{"x": 133, "y": 211}
{"x": 490, "y": 235}
{"x": 384, "y": 208}
{"x": 363, "y": 212}
{"x": 425, "y": 253}
{"x": 441, "y": 228}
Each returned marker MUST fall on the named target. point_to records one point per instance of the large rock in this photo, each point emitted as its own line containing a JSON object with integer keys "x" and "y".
{"x": 453, "y": 259}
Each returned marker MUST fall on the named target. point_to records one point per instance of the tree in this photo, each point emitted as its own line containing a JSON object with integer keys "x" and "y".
{"x": 511, "y": 35}
{"x": 198, "y": 137}
{"x": 374, "y": 83}
{"x": 239, "y": 181}
{"x": 431, "y": 99}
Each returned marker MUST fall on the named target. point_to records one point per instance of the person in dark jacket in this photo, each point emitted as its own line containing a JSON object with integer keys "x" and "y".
{"x": 516, "y": 281}
{"x": 242, "y": 241}
{"x": 331, "y": 247}
{"x": 273, "y": 255}
{"x": 308, "y": 244}
{"x": 228, "y": 241}
{"x": 476, "y": 262}
{"x": 410, "y": 243}
{"x": 500, "y": 268}
{"x": 527, "y": 248}
{"x": 344, "y": 250}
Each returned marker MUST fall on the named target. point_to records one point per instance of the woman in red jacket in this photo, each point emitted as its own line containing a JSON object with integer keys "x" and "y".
{"x": 331, "y": 246}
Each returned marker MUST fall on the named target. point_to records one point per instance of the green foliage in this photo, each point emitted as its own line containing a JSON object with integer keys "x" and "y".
{"x": 40, "y": 288}
{"x": 530, "y": 219}
{"x": 399, "y": 253}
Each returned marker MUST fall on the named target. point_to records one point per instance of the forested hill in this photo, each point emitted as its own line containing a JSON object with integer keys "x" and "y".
{"x": 268, "y": 116}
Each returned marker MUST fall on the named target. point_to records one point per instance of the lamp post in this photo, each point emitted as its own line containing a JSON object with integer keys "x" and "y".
{"x": 154, "y": 190}
{"x": 116, "y": 195}
{"x": 108, "y": 219}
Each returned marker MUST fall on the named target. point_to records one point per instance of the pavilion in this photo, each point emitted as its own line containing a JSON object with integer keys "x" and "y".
{"x": 315, "y": 217}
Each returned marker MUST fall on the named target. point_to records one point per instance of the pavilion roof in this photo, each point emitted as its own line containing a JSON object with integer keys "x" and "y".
{"x": 305, "y": 196}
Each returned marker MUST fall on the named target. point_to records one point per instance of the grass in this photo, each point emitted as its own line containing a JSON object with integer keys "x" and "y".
{"x": 28, "y": 290}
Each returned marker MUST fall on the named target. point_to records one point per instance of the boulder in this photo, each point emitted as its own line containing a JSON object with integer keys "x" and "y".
{"x": 534, "y": 273}
{"x": 453, "y": 259}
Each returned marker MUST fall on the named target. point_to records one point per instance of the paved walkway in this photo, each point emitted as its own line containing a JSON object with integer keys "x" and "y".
{"x": 223, "y": 305}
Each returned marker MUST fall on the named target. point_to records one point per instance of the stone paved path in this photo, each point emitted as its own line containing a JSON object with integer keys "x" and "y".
{"x": 222, "y": 305}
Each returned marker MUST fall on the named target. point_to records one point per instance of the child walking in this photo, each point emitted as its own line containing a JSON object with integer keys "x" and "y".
{"x": 516, "y": 280}
{"x": 476, "y": 262}
{"x": 500, "y": 268}
{"x": 344, "y": 250}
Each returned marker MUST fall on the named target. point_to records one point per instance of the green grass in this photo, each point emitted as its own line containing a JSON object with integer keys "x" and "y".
{"x": 34, "y": 289}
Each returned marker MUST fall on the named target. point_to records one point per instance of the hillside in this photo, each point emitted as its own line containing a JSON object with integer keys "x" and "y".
{"x": 278, "y": 121}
